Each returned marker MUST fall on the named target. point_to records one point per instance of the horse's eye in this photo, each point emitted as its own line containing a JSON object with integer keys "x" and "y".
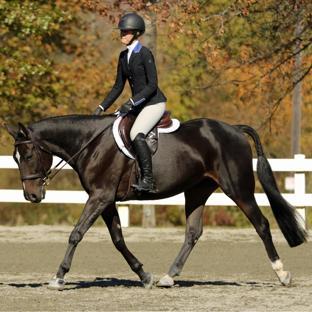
{"x": 28, "y": 157}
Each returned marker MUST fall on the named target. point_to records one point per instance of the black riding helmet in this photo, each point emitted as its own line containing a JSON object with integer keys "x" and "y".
{"x": 132, "y": 21}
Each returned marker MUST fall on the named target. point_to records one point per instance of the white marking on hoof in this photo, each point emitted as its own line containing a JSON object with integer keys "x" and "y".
{"x": 165, "y": 281}
{"x": 283, "y": 276}
{"x": 56, "y": 283}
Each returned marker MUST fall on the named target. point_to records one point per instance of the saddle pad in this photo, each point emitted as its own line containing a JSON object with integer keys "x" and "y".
{"x": 120, "y": 143}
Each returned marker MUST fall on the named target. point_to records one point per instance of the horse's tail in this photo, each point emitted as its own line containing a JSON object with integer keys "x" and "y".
{"x": 285, "y": 214}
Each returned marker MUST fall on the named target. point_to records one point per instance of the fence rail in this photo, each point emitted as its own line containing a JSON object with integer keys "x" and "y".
{"x": 298, "y": 167}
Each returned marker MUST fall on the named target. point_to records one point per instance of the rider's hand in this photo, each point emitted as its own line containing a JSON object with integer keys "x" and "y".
{"x": 126, "y": 108}
{"x": 98, "y": 111}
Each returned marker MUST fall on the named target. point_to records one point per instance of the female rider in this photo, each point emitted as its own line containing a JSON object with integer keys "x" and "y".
{"x": 136, "y": 64}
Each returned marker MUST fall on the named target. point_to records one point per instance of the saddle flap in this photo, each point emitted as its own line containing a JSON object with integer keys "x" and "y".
{"x": 123, "y": 125}
{"x": 165, "y": 120}
{"x": 124, "y": 128}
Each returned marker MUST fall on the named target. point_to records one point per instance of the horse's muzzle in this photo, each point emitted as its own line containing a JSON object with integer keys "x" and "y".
{"x": 35, "y": 196}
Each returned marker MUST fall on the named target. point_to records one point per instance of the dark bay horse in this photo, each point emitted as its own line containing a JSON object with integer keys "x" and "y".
{"x": 198, "y": 158}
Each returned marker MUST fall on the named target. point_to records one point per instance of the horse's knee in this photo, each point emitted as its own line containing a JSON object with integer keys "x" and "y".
{"x": 193, "y": 235}
{"x": 74, "y": 238}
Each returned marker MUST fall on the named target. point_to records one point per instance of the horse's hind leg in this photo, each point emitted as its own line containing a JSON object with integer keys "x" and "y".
{"x": 111, "y": 218}
{"x": 195, "y": 200}
{"x": 261, "y": 224}
{"x": 236, "y": 179}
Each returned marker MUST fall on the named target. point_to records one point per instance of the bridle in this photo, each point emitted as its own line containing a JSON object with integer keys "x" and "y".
{"x": 42, "y": 174}
{"x": 47, "y": 176}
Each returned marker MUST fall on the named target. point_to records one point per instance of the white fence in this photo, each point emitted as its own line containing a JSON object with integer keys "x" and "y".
{"x": 298, "y": 167}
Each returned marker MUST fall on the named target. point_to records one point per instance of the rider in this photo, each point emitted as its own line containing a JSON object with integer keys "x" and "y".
{"x": 136, "y": 64}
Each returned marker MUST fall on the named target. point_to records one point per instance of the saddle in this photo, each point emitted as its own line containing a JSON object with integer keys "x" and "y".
{"x": 123, "y": 124}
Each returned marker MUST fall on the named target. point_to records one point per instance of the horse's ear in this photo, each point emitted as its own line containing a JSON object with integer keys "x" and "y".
{"x": 12, "y": 130}
{"x": 23, "y": 130}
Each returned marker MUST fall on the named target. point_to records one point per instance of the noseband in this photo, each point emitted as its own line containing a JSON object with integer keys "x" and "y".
{"x": 43, "y": 175}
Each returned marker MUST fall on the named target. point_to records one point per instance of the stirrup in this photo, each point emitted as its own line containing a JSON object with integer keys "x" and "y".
{"x": 144, "y": 186}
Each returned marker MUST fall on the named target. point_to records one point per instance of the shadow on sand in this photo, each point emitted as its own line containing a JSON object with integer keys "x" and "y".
{"x": 115, "y": 282}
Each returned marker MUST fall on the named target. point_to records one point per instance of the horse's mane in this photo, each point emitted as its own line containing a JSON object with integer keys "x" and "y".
{"x": 71, "y": 118}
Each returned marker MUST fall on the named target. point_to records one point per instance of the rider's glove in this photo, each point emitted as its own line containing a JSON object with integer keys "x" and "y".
{"x": 126, "y": 108}
{"x": 98, "y": 110}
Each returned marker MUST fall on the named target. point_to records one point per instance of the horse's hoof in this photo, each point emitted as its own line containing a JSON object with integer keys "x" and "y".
{"x": 285, "y": 278}
{"x": 165, "y": 281}
{"x": 56, "y": 283}
{"x": 148, "y": 281}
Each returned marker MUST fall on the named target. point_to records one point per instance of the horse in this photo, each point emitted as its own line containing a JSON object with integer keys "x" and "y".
{"x": 201, "y": 156}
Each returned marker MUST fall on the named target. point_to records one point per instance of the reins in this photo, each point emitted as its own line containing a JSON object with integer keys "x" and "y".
{"x": 53, "y": 172}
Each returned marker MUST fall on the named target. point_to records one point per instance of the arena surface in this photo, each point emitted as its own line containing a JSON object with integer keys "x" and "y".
{"x": 227, "y": 271}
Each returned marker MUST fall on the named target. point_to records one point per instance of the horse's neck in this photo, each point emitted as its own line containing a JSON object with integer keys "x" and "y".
{"x": 66, "y": 136}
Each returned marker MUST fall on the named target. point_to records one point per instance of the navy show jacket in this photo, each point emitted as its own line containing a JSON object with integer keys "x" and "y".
{"x": 141, "y": 74}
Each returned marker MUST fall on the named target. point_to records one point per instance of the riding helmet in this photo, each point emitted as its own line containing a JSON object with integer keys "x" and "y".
{"x": 132, "y": 21}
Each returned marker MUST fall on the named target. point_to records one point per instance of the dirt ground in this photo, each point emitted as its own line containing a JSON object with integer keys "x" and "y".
{"x": 227, "y": 271}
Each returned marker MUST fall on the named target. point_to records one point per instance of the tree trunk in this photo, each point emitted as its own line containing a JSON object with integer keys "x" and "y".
{"x": 297, "y": 97}
{"x": 150, "y": 40}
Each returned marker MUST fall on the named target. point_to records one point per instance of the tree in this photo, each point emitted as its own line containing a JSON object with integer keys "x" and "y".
{"x": 230, "y": 59}
{"x": 233, "y": 60}
{"x": 29, "y": 30}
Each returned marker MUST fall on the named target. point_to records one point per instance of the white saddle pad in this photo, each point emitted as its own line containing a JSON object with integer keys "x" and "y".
{"x": 174, "y": 126}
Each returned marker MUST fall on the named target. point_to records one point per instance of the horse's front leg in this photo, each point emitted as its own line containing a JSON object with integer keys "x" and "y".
{"x": 92, "y": 210}
{"x": 111, "y": 218}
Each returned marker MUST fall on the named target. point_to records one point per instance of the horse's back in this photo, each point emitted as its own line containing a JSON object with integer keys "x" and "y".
{"x": 209, "y": 134}
{"x": 203, "y": 141}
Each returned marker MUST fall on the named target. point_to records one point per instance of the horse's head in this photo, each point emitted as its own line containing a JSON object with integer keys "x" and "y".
{"x": 33, "y": 160}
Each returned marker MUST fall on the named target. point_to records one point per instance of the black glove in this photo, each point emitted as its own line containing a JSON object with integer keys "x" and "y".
{"x": 98, "y": 111}
{"x": 126, "y": 108}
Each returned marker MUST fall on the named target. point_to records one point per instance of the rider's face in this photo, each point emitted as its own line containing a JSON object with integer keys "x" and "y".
{"x": 126, "y": 36}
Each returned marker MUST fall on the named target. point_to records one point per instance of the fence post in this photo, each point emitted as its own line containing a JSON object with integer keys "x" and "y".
{"x": 148, "y": 218}
{"x": 299, "y": 188}
{"x": 123, "y": 212}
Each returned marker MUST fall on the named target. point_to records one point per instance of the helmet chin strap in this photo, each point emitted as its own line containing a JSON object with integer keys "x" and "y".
{"x": 136, "y": 35}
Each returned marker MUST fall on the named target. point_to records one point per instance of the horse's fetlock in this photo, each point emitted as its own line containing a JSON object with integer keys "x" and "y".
{"x": 277, "y": 265}
{"x": 64, "y": 268}
{"x": 136, "y": 267}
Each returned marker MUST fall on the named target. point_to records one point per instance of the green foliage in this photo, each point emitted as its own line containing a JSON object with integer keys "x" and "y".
{"x": 28, "y": 81}
{"x": 31, "y": 214}
{"x": 212, "y": 216}
{"x": 234, "y": 61}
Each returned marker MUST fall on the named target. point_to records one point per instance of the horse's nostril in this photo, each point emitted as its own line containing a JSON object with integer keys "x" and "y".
{"x": 33, "y": 197}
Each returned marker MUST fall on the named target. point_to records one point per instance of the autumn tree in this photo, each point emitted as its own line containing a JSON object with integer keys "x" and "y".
{"x": 53, "y": 60}
{"x": 29, "y": 31}
{"x": 229, "y": 59}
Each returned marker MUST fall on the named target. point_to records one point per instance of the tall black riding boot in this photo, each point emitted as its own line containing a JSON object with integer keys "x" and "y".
{"x": 146, "y": 182}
